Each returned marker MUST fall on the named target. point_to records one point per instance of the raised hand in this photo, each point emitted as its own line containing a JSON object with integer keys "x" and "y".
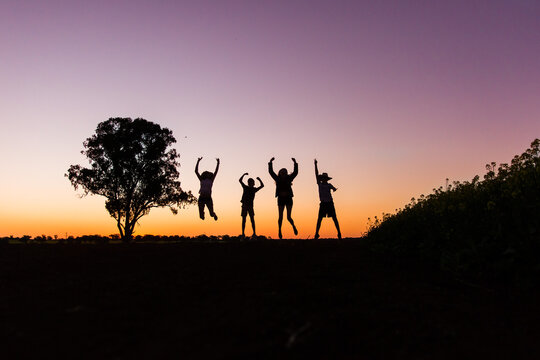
{"x": 217, "y": 159}
{"x": 242, "y": 178}
{"x": 258, "y": 178}
{"x": 272, "y": 159}
{"x": 294, "y": 160}
{"x": 315, "y": 161}
{"x": 199, "y": 159}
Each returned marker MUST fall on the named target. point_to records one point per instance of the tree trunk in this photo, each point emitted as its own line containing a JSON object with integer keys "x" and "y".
{"x": 128, "y": 230}
{"x": 128, "y": 227}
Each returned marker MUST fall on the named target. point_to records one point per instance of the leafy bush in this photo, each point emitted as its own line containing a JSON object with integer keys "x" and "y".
{"x": 487, "y": 229}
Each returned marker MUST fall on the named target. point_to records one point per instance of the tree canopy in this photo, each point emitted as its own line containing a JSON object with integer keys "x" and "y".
{"x": 134, "y": 167}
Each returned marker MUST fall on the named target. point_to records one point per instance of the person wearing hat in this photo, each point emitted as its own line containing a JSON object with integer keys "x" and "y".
{"x": 326, "y": 207}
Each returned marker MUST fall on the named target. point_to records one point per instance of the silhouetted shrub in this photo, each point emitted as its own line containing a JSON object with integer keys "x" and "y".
{"x": 25, "y": 239}
{"x": 40, "y": 239}
{"x": 487, "y": 229}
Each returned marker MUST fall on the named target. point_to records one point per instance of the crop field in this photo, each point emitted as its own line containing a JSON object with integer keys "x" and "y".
{"x": 251, "y": 300}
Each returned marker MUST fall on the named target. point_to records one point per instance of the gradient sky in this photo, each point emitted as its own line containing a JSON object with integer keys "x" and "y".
{"x": 392, "y": 97}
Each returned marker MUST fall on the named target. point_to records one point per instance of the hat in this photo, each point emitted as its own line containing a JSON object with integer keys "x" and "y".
{"x": 324, "y": 176}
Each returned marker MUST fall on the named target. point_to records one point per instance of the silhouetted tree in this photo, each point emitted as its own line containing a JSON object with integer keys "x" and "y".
{"x": 132, "y": 166}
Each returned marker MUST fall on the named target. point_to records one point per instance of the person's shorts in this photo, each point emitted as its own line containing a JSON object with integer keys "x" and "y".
{"x": 327, "y": 209}
{"x": 247, "y": 210}
{"x": 284, "y": 200}
{"x": 204, "y": 200}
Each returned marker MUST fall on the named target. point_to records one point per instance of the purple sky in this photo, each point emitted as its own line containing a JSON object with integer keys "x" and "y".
{"x": 392, "y": 97}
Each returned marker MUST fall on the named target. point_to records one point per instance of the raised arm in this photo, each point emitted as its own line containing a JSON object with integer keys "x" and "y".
{"x": 271, "y": 169}
{"x": 316, "y": 171}
{"x": 295, "y": 171}
{"x": 261, "y": 184}
{"x": 197, "y": 168}
{"x": 242, "y": 179}
{"x": 217, "y": 167}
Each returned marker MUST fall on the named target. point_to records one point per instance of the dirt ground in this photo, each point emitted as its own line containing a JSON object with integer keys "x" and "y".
{"x": 251, "y": 300}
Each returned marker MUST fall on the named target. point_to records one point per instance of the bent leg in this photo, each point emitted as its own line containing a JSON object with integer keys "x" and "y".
{"x": 201, "y": 204}
{"x": 289, "y": 210}
{"x": 210, "y": 204}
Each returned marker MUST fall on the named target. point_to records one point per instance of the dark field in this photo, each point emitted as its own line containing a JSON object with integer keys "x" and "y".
{"x": 251, "y": 300}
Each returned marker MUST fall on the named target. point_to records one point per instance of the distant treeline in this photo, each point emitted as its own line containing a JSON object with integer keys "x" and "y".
{"x": 487, "y": 229}
{"x": 115, "y": 238}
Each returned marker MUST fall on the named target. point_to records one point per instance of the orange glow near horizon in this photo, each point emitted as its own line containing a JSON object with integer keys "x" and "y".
{"x": 87, "y": 215}
{"x": 54, "y": 208}
{"x": 186, "y": 223}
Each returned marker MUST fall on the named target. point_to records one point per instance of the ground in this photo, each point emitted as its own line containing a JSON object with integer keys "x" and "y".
{"x": 251, "y": 300}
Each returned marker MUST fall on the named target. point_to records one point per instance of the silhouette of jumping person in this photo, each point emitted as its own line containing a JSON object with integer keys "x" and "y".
{"x": 247, "y": 201}
{"x": 284, "y": 192}
{"x": 326, "y": 207}
{"x": 205, "y": 193}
